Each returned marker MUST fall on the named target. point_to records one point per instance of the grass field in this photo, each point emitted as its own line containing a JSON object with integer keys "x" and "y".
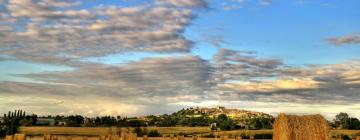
{"x": 163, "y": 130}
{"x": 107, "y": 130}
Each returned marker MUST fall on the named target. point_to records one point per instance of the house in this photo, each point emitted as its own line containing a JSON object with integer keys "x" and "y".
{"x": 45, "y": 122}
{"x": 62, "y": 123}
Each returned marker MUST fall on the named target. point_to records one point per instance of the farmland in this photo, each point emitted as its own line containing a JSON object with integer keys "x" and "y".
{"x": 89, "y": 131}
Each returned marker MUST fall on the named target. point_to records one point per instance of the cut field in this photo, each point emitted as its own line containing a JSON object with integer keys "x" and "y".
{"x": 108, "y": 130}
{"x": 89, "y": 131}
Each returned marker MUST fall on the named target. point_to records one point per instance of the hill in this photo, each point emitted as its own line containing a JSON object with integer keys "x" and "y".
{"x": 216, "y": 111}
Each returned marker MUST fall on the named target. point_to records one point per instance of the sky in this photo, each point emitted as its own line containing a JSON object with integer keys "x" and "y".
{"x": 141, "y": 57}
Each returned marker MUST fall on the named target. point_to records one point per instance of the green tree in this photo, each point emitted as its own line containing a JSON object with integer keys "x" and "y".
{"x": 12, "y": 121}
{"x": 352, "y": 124}
{"x": 227, "y": 125}
{"x": 255, "y": 124}
{"x": 340, "y": 119}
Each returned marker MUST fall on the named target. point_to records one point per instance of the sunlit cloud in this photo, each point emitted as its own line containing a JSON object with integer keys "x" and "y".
{"x": 272, "y": 86}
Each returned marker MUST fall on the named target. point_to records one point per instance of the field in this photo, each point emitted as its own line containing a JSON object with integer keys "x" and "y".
{"x": 163, "y": 130}
{"x": 108, "y": 130}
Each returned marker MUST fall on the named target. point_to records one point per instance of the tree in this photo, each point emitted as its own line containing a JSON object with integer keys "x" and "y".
{"x": 222, "y": 117}
{"x": 136, "y": 123}
{"x": 75, "y": 121}
{"x": 340, "y": 119}
{"x": 139, "y": 131}
{"x": 227, "y": 125}
{"x": 255, "y": 124}
{"x": 352, "y": 124}
{"x": 12, "y": 121}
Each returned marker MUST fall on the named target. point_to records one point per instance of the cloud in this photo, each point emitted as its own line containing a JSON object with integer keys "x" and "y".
{"x": 242, "y": 65}
{"x": 266, "y": 2}
{"x": 142, "y": 85}
{"x": 185, "y": 3}
{"x": 173, "y": 82}
{"x": 272, "y": 86}
{"x": 60, "y": 3}
{"x": 231, "y": 7}
{"x": 239, "y": 75}
{"x": 345, "y": 40}
{"x": 54, "y": 29}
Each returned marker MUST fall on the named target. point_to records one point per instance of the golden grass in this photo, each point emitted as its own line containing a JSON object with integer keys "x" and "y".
{"x": 107, "y": 130}
{"x": 92, "y": 131}
{"x": 246, "y": 132}
{"x": 307, "y": 127}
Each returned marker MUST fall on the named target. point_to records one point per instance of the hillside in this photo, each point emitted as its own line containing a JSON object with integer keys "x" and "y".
{"x": 216, "y": 111}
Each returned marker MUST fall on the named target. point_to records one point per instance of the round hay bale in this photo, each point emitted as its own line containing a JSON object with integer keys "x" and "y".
{"x": 307, "y": 127}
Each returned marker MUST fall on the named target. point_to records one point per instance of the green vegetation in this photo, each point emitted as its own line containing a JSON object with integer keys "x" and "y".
{"x": 12, "y": 122}
{"x": 140, "y": 131}
{"x": 154, "y": 133}
{"x": 344, "y": 121}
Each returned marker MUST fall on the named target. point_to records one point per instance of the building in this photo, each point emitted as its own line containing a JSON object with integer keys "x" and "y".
{"x": 62, "y": 123}
{"x": 45, "y": 122}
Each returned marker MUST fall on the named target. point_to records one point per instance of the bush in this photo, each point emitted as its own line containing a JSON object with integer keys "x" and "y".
{"x": 244, "y": 136}
{"x": 263, "y": 136}
{"x": 345, "y": 137}
{"x": 154, "y": 133}
{"x": 2, "y": 131}
{"x": 140, "y": 132}
{"x": 227, "y": 125}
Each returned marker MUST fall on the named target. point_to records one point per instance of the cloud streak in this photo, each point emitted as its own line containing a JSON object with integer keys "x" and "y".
{"x": 345, "y": 40}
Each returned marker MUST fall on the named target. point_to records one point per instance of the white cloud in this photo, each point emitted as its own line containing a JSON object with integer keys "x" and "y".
{"x": 185, "y": 3}
{"x": 345, "y": 40}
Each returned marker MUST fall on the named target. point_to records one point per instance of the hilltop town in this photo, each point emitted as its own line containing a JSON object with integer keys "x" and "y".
{"x": 215, "y": 112}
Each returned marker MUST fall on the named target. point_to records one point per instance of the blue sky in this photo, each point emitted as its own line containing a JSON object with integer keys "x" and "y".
{"x": 179, "y": 52}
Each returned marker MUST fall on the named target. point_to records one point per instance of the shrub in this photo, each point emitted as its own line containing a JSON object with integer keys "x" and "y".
{"x": 263, "y": 136}
{"x": 154, "y": 133}
{"x": 139, "y": 132}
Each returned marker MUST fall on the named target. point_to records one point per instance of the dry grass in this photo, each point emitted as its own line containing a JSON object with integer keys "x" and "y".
{"x": 107, "y": 130}
{"x": 307, "y": 127}
{"x": 351, "y": 133}
{"x": 67, "y": 130}
{"x": 163, "y": 130}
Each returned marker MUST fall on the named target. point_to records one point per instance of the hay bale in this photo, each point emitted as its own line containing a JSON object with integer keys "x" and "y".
{"x": 9, "y": 137}
{"x": 47, "y": 137}
{"x": 102, "y": 137}
{"x": 307, "y": 127}
{"x": 19, "y": 137}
